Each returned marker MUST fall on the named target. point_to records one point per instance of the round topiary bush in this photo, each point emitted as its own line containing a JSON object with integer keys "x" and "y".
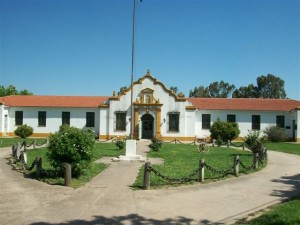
{"x": 24, "y": 131}
{"x": 71, "y": 145}
{"x": 224, "y": 131}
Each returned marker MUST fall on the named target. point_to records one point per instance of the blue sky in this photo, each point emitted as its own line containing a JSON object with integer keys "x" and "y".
{"x": 83, "y": 47}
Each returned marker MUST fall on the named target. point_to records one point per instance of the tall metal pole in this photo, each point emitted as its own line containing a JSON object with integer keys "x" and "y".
{"x": 132, "y": 70}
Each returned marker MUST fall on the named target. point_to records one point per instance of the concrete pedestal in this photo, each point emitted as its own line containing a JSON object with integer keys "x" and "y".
{"x": 130, "y": 154}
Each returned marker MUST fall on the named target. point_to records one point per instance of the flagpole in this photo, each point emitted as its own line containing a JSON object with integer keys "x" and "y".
{"x": 132, "y": 69}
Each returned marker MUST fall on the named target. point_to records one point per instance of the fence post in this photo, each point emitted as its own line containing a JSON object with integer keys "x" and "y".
{"x": 236, "y": 163}
{"x": 244, "y": 145}
{"x": 38, "y": 167}
{"x": 147, "y": 171}
{"x": 256, "y": 161}
{"x": 201, "y": 170}
{"x": 68, "y": 174}
{"x": 228, "y": 143}
{"x": 34, "y": 144}
{"x": 266, "y": 154}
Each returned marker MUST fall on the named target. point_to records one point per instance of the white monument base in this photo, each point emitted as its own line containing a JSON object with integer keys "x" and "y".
{"x": 130, "y": 153}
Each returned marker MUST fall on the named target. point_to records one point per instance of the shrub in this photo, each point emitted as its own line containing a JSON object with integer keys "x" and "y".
{"x": 275, "y": 134}
{"x": 156, "y": 144}
{"x": 24, "y": 131}
{"x": 71, "y": 145}
{"x": 255, "y": 143}
{"x": 223, "y": 131}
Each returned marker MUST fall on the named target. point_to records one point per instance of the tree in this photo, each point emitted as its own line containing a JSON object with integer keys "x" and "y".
{"x": 214, "y": 90}
{"x": 11, "y": 90}
{"x": 270, "y": 86}
{"x": 122, "y": 89}
{"x": 249, "y": 91}
{"x": 174, "y": 89}
{"x": 220, "y": 90}
{"x": 201, "y": 92}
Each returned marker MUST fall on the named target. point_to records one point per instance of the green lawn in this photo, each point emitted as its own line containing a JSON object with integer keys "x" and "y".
{"x": 8, "y": 142}
{"x": 287, "y": 213}
{"x": 292, "y": 148}
{"x": 101, "y": 150}
{"x": 181, "y": 160}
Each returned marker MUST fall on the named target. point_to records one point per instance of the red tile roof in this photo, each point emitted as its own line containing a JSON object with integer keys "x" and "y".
{"x": 53, "y": 101}
{"x": 245, "y": 104}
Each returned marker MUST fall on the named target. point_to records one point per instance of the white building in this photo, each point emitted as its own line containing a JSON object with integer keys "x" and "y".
{"x": 157, "y": 111}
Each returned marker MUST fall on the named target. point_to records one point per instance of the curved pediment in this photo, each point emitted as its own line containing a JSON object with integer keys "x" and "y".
{"x": 178, "y": 98}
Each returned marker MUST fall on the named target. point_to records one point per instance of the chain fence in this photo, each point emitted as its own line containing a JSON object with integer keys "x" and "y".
{"x": 198, "y": 173}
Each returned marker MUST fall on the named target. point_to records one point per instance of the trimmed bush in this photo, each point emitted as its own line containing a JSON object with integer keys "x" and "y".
{"x": 71, "y": 145}
{"x": 275, "y": 134}
{"x": 223, "y": 131}
{"x": 155, "y": 145}
{"x": 24, "y": 131}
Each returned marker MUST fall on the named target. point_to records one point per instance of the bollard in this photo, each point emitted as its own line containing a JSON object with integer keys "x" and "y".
{"x": 228, "y": 143}
{"x": 147, "y": 175}
{"x": 236, "y": 164}
{"x": 47, "y": 142}
{"x": 201, "y": 170}
{"x": 244, "y": 146}
{"x": 68, "y": 174}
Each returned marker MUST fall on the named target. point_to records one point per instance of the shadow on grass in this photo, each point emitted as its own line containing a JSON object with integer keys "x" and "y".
{"x": 131, "y": 219}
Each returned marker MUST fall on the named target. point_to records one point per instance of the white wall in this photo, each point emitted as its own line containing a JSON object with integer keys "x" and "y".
{"x": 243, "y": 118}
{"x": 53, "y": 118}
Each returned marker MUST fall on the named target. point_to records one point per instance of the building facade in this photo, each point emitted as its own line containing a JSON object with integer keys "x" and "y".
{"x": 156, "y": 112}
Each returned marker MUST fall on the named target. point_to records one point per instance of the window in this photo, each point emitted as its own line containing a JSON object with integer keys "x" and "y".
{"x": 174, "y": 122}
{"x": 280, "y": 121}
{"x": 42, "y": 118}
{"x": 255, "y": 122}
{"x": 205, "y": 121}
{"x": 121, "y": 121}
{"x": 65, "y": 117}
{"x": 90, "y": 119}
{"x": 231, "y": 118}
{"x": 18, "y": 118}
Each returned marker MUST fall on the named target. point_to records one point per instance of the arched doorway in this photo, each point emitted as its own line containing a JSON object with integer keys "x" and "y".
{"x": 147, "y": 126}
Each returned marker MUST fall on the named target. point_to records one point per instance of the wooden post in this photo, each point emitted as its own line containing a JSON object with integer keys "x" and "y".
{"x": 256, "y": 161}
{"x": 68, "y": 174}
{"x": 34, "y": 144}
{"x": 228, "y": 143}
{"x": 244, "y": 146}
{"x": 38, "y": 167}
{"x": 236, "y": 165}
{"x": 18, "y": 151}
{"x": 147, "y": 172}
{"x": 201, "y": 170}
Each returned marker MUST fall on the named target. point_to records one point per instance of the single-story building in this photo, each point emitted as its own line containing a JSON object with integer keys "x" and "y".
{"x": 156, "y": 111}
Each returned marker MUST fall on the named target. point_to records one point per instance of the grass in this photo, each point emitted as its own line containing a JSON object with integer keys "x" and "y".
{"x": 182, "y": 160}
{"x": 291, "y": 148}
{"x": 101, "y": 150}
{"x": 8, "y": 142}
{"x": 287, "y": 213}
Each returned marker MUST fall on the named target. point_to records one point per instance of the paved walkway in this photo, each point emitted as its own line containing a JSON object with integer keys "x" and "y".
{"x": 108, "y": 198}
